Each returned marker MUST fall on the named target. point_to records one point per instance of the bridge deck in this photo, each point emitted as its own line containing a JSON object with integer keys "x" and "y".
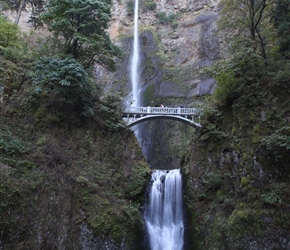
{"x": 135, "y": 115}
{"x": 160, "y": 111}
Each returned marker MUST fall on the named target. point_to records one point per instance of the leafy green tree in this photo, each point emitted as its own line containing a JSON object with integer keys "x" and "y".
{"x": 80, "y": 26}
{"x": 246, "y": 22}
{"x": 65, "y": 81}
{"x": 281, "y": 18}
{"x": 8, "y": 33}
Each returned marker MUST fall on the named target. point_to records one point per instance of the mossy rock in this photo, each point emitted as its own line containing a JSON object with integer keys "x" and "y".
{"x": 244, "y": 181}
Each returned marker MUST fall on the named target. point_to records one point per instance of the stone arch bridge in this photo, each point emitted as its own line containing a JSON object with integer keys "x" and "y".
{"x": 135, "y": 115}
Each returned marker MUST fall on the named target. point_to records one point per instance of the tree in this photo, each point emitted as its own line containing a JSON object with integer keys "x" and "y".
{"x": 64, "y": 81}
{"x": 80, "y": 26}
{"x": 281, "y": 18}
{"x": 8, "y": 33}
{"x": 246, "y": 21}
{"x": 37, "y": 6}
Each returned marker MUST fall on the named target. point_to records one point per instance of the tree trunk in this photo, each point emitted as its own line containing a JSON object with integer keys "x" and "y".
{"x": 21, "y": 6}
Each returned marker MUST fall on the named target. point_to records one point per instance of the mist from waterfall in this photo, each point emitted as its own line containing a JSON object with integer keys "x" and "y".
{"x": 163, "y": 214}
{"x": 135, "y": 61}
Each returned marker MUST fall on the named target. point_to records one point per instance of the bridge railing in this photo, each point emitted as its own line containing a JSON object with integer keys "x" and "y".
{"x": 160, "y": 110}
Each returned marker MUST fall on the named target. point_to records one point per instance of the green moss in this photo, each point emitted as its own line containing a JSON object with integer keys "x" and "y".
{"x": 148, "y": 95}
{"x": 244, "y": 221}
{"x": 244, "y": 181}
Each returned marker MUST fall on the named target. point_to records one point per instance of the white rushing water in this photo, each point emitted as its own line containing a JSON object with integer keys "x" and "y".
{"x": 163, "y": 215}
{"x": 135, "y": 61}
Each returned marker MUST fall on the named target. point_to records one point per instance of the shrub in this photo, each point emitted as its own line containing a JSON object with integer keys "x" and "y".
{"x": 165, "y": 18}
{"x": 280, "y": 139}
{"x": 67, "y": 92}
{"x": 149, "y": 6}
{"x": 271, "y": 198}
{"x": 8, "y": 33}
{"x": 10, "y": 144}
{"x": 213, "y": 181}
{"x": 130, "y": 8}
{"x": 65, "y": 81}
{"x": 244, "y": 181}
{"x": 225, "y": 86}
{"x": 110, "y": 112}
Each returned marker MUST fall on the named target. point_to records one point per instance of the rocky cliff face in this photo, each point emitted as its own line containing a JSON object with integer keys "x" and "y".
{"x": 177, "y": 39}
{"x": 236, "y": 200}
{"x": 69, "y": 191}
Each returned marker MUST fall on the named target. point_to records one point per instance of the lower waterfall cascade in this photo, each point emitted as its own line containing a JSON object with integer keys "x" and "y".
{"x": 163, "y": 213}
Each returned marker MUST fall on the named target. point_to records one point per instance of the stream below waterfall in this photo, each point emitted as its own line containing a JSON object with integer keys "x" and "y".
{"x": 163, "y": 214}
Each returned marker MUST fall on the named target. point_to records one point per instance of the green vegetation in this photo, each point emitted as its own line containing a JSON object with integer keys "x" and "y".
{"x": 149, "y": 5}
{"x": 80, "y": 27}
{"x": 166, "y": 19}
{"x": 8, "y": 33}
{"x": 280, "y": 16}
{"x": 65, "y": 81}
{"x": 130, "y": 7}
{"x": 66, "y": 160}
{"x": 239, "y": 161}
{"x": 18, "y": 6}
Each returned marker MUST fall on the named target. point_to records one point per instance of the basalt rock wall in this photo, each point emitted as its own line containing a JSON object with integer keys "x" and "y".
{"x": 177, "y": 39}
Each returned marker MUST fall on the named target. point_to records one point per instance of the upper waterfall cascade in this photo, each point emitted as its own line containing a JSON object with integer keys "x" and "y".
{"x": 135, "y": 61}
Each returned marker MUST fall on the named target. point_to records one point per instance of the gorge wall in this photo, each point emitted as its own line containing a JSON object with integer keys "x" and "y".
{"x": 237, "y": 197}
{"x": 177, "y": 39}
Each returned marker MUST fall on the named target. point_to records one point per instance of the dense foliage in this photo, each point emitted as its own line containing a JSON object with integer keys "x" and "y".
{"x": 8, "y": 33}
{"x": 64, "y": 80}
{"x": 67, "y": 165}
{"x": 252, "y": 80}
{"x": 239, "y": 161}
{"x": 246, "y": 23}
{"x": 80, "y": 27}
{"x": 59, "y": 66}
{"x": 281, "y": 18}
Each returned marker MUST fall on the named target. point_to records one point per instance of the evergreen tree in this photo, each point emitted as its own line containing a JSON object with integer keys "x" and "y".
{"x": 80, "y": 27}
{"x": 281, "y": 18}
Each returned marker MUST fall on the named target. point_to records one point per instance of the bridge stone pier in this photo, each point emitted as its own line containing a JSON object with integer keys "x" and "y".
{"x": 135, "y": 115}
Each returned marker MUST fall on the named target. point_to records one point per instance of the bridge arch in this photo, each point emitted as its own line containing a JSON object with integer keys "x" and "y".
{"x": 136, "y": 121}
{"x": 136, "y": 115}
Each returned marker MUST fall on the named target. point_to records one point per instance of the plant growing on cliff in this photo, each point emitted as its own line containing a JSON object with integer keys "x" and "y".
{"x": 80, "y": 27}
{"x": 110, "y": 112}
{"x": 278, "y": 143}
{"x": 18, "y": 6}
{"x": 212, "y": 181}
{"x": 8, "y": 33}
{"x": 9, "y": 144}
{"x": 150, "y": 5}
{"x": 246, "y": 23}
{"x": 130, "y": 7}
{"x": 281, "y": 19}
{"x": 165, "y": 18}
{"x": 65, "y": 81}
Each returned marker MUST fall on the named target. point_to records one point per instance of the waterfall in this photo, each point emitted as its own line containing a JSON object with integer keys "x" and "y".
{"x": 135, "y": 61}
{"x": 163, "y": 215}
